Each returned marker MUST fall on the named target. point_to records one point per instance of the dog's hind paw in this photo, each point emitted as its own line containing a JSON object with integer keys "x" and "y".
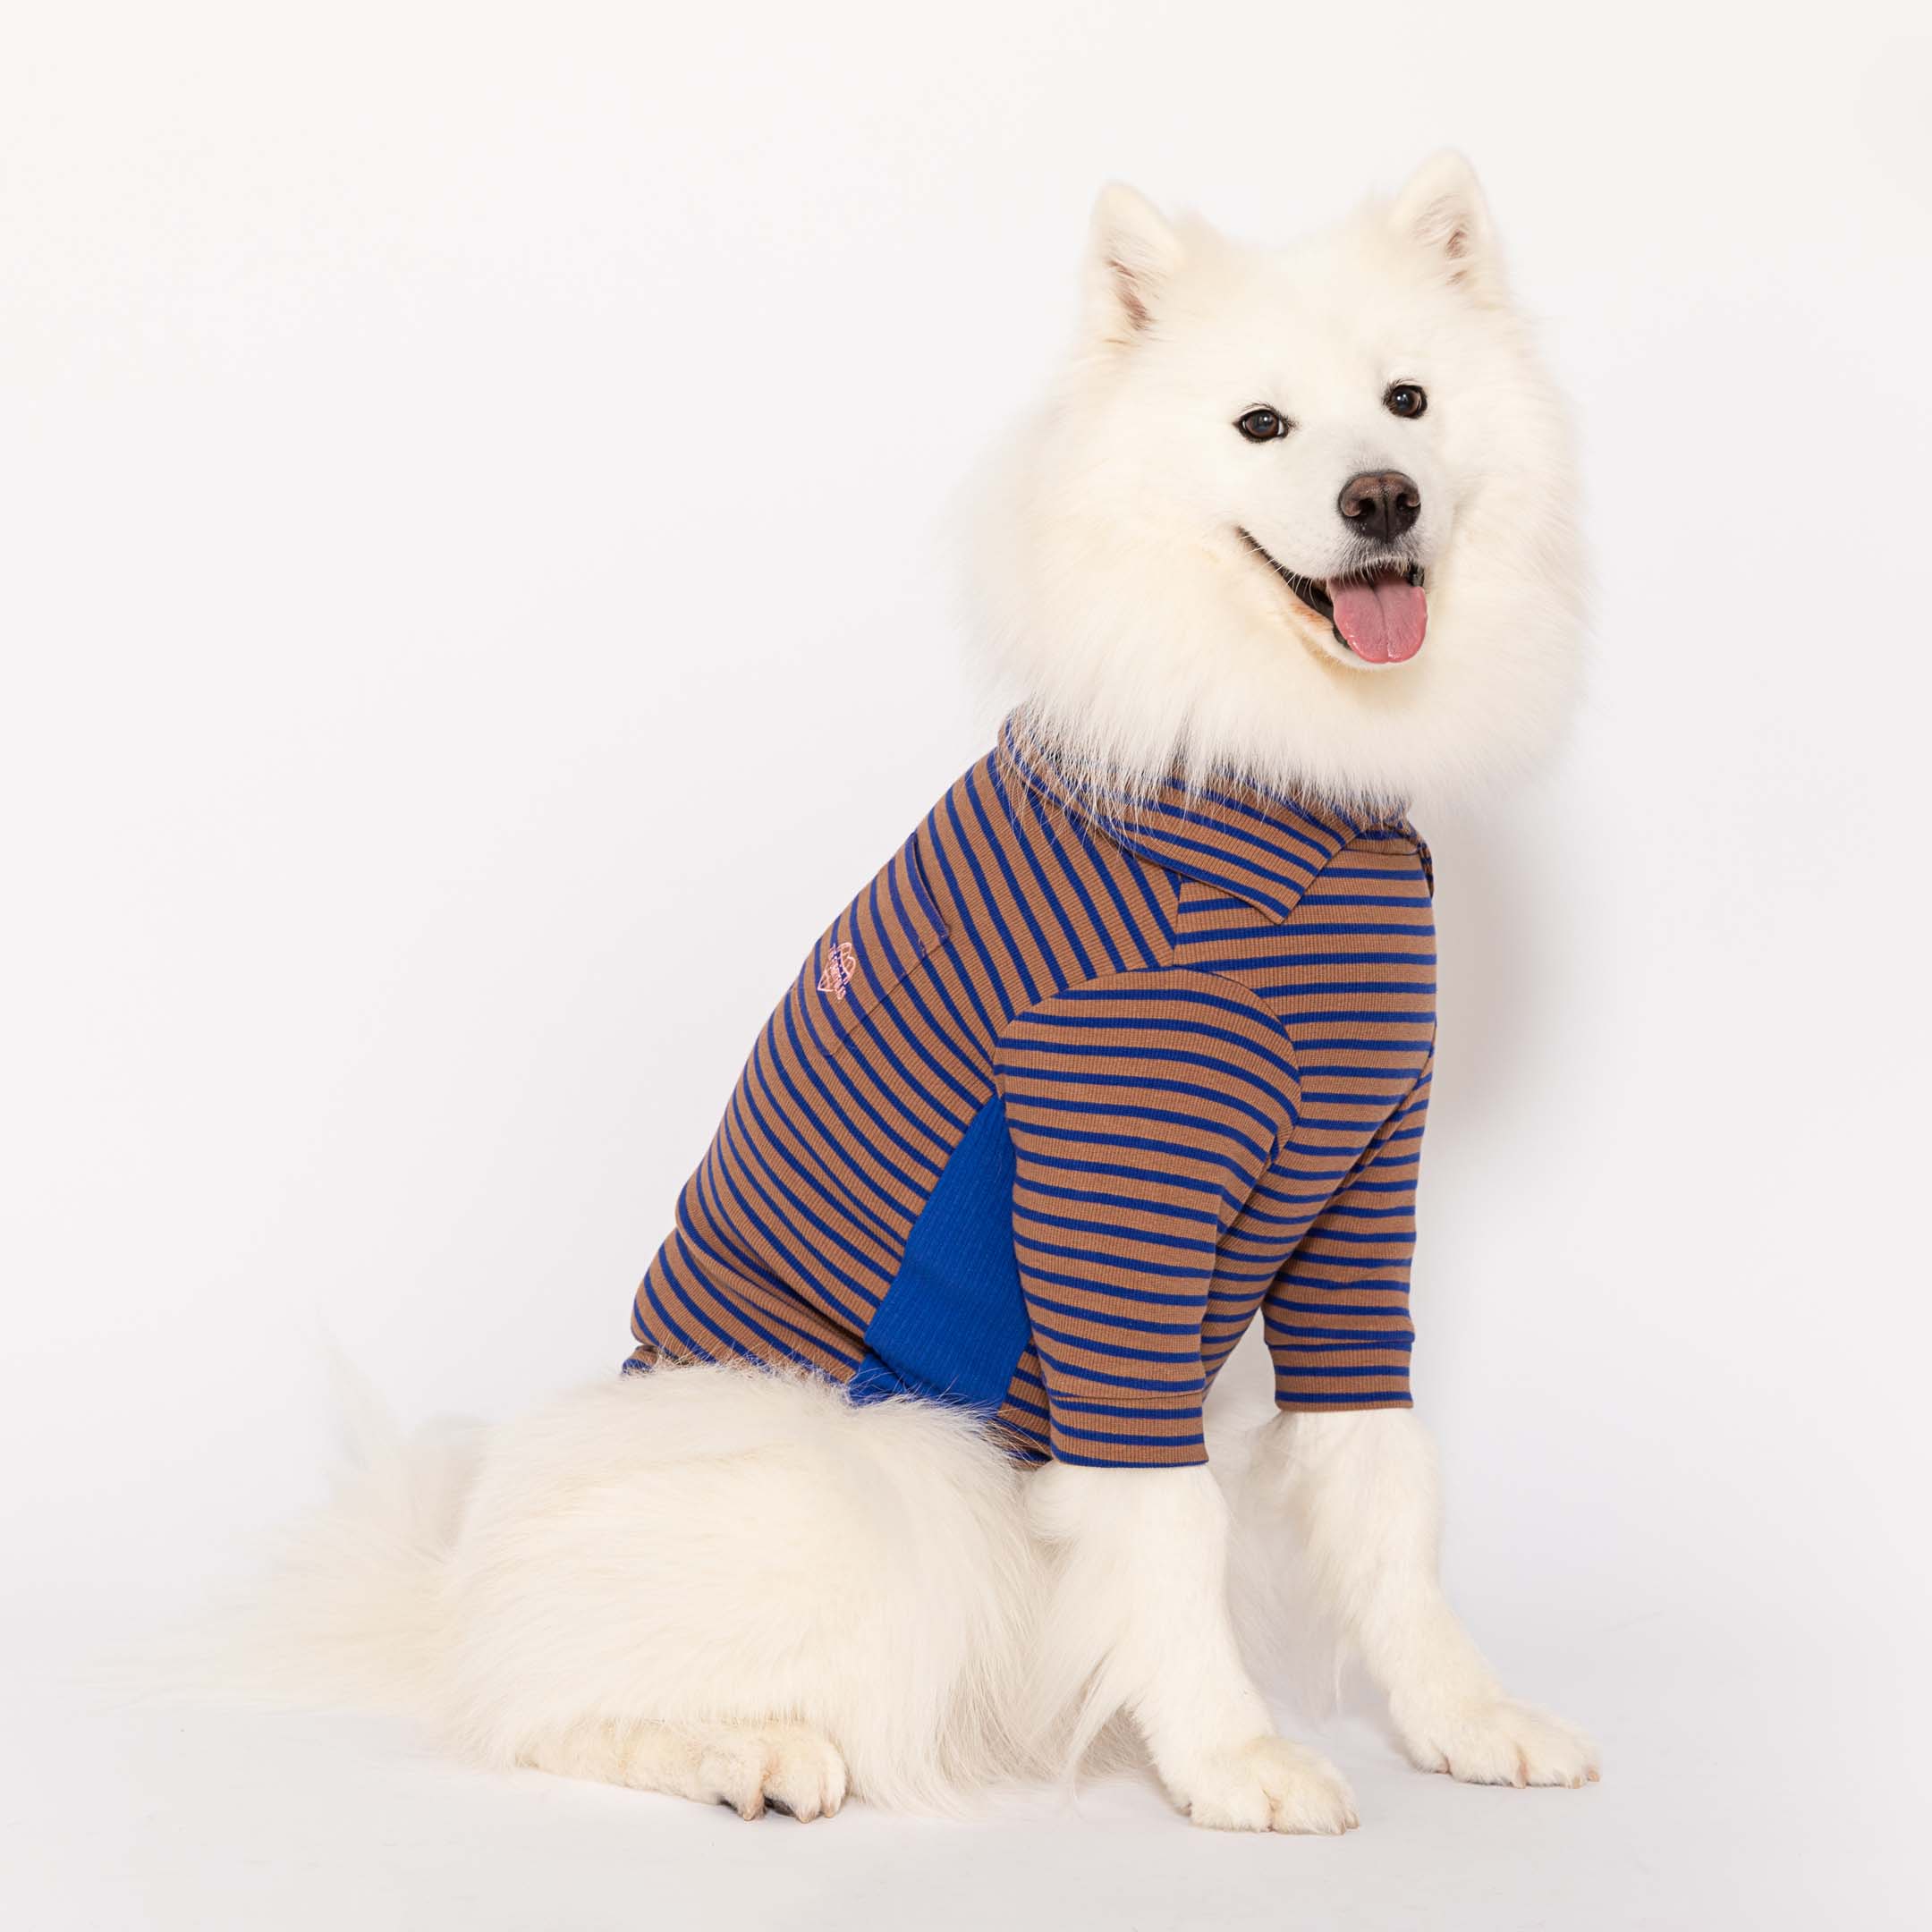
{"x": 786, "y": 1767}
{"x": 1498, "y": 1742}
{"x": 1267, "y": 1785}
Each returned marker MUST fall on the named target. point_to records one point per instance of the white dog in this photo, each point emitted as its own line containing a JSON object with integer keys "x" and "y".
{"x": 896, "y": 1504}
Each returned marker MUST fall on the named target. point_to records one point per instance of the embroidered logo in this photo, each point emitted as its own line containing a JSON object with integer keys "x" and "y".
{"x": 842, "y": 967}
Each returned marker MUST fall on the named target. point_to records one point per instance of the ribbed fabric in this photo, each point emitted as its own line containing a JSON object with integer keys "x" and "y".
{"x": 1066, "y": 1095}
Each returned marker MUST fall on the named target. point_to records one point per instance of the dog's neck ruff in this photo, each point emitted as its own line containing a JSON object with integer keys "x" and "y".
{"x": 1261, "y": 846}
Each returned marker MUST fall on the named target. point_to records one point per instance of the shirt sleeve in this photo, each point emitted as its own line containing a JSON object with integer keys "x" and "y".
{"x": 1142, "y": 1108}
{"x": 1338, "y": 1317}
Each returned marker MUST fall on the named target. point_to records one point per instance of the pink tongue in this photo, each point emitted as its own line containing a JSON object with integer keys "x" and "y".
{"x": 1383, "y": 619}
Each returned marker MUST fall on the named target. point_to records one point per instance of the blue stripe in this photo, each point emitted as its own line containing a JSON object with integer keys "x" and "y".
{"x": 1350, "y": 1398}
{"x": 1199, "y": 1029}
{"x": 1142, "y": 1145}
{"x": 1335, "y": 1371}
{"x": 1067, "y": 1372}
{"x": 1110, "y": 1285}
{"x": 1108, "y": 1351}
{"x": 1133, "y": 1325}
{"x": 796, "y": 1150}
{"x": 1166, "y": 1237}
{"x": 1028, "y": 851}
{"x": 886, "y": 1220}
{"x": 1019, "y": 898}
{"x": 1105, "y": 872}
{"x": 731, "y": 1347}
{"x": 1400, "y": 1306}
{"x": 1118, "y": 1173}
{"x": 1089, "y": 1197}
{"x": 1072, "y": 875}
{"x": 841, "y": 1071}
{"x": 1134, "y": 1442}
{"x": 752, "y": 1164}
{"x": 1141, "y": 1083}
{"x": 993, "y": 918}
{"x": 987, "y": 1030}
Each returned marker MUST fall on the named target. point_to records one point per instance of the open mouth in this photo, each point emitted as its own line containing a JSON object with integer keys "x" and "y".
{"x": 1378, "y": 615}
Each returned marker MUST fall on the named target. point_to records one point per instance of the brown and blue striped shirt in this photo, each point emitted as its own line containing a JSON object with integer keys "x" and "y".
{"x": 1069, "y": 1092}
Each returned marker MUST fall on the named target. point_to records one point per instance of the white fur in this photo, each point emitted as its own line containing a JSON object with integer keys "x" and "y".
{"x": 738, "y": 1586}
{"x": 1138, "y": 1621}
{"x": 1137, "y": 628}
{"x": 658, "y": 1571}
{"x": 1361, "y": 1491}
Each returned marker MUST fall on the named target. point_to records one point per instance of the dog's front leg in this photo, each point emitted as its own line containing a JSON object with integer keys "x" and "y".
{"x": 1138, "y": 1620}
{"x": 1362, "y": 1491}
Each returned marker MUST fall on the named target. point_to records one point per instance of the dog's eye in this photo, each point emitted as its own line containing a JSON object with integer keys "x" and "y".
{"x": 1262, "y": 426}
{"x": 1405, "y": 399}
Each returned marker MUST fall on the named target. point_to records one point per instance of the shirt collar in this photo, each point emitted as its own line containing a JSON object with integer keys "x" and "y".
{"x": 1261, "y": 847}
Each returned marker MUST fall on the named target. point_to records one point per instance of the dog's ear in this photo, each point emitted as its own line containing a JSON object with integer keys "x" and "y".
{"x": 1132, "y": 250}
{"x": 1441, "y": 213}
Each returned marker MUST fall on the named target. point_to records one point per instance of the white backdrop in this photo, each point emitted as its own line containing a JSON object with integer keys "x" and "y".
{"x": 475, "y": 486}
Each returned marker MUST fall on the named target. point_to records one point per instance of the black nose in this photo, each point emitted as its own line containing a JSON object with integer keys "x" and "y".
{"x": 1381, "y": 503}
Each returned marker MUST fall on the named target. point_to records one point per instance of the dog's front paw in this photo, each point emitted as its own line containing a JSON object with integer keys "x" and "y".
{"x": 1496, "y": 1740}
{"x": 1267, "y": 1785}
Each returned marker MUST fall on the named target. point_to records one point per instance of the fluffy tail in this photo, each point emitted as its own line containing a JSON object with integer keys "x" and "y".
{"x": 353, "y": 1606}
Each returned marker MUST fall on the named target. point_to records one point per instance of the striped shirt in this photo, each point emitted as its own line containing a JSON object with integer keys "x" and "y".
{"x": 1065, "y": 1097}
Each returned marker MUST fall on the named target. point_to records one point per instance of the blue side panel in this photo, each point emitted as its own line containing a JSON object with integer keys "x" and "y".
{"x": 954, "y": 1322}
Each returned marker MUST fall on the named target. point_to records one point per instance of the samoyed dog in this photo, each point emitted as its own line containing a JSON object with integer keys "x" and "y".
{"x": 905, "y": 1489}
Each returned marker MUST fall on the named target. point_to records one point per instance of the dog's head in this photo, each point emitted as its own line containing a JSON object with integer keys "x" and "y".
{"x": 1302, "y": 515}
